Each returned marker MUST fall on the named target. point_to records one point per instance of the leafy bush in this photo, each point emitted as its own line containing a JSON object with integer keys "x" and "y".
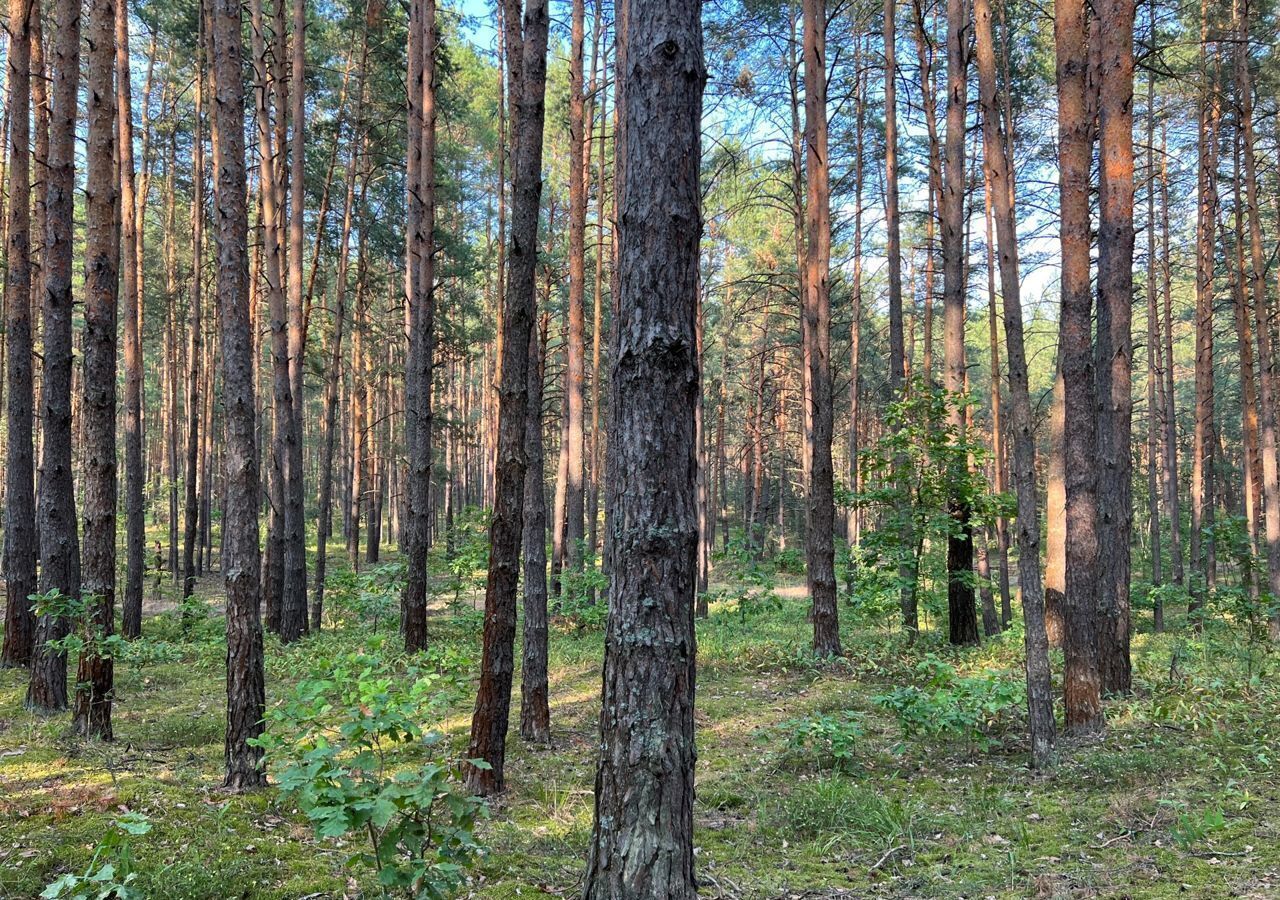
{"x": 333, "y": 746}
{"x": 951, "y": 706}
{"x": 109, "y": 875}
{"x": 366, "y": 599}
{"x": 830, "y": 739}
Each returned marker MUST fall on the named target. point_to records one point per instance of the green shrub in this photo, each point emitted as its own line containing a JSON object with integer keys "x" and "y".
{"x": 336, "y": 744}
{"x": 110, "y": 874}
{"x": 951, "y": 706}
{"x": 830, "y": 740}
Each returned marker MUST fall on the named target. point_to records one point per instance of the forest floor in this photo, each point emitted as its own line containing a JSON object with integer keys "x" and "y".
{"x": 1180, "y": 798}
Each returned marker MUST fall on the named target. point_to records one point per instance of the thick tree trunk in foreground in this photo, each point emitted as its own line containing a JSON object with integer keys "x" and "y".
{"x": 527, "y": 63}
{"x": 997, "y": 159}
{"x": 240, "y": 563}
{"x": 642, "y": 838}
{"x": 20, "y": 536}
{"x": 94, "y": 679}
{"x": 1075, "y": 128}
{"x": 59, "y": 543}
{"x": 820, "y": 541}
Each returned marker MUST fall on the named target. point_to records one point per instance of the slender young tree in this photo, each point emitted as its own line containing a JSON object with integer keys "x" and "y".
{"x": 20, "y": 537}
{"x": 246, "y": 699}
{"x": 94, "y": 680}
{"x": 526, "y": 43}
{"x": 191, "y": 514}
{"x": 997, "y": 159}
{"x": 59, "y": 540}
{"x": 642, "y": 838}
{"x": 893, "y": 227}
{"x": 579, "y": 164}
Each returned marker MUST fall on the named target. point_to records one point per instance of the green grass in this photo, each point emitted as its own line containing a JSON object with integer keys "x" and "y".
{"x": 911, "y": 818}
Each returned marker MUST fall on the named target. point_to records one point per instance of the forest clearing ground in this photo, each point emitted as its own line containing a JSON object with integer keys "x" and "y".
{"x": 1134, "y": 814}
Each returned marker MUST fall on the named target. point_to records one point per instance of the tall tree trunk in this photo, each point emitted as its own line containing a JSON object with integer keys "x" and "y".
{"x": 893, "y": 250}
{"x": 324, "y": 524}
{"x": 579, "y": 164}
{"x": 1258, "y": 288}
{"x": 642, "y": 838}
{"x": 135, "y": 502}
{"x": 1171, "y": 493}
{"x": 246, "y": 700}
{"x": 1203, "y": 497}
{"x": 94, "y": 679}
{"x": 195, "y": 404}
{"x": 820, "y": 542}
{"x": 997, "y": 160}
{"x": 1082, "y": 683}
{"x": 535, "y": 714}
{"x": 527, "y": 65}
{"x": 1114, "y": 348}
{"x": 962, "y": 613}
{"x": 59, "y": 543}
{"x": 420, "y": 284}
{"x": 21, "y": 539}
{"x": 1155, "y": 382}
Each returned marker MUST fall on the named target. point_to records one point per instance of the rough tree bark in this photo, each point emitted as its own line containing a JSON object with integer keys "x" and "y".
{"x": 246, "y": 699}
{"x": 94, "y": 679}
{"x": 998, "y": 161}
{"x": 135, "y": 476}
{"x": 59, "y": 543}
{"x": 535, "y": 713}
{"x": 962, "y": 612}
{"x": 527, "y": 67}
{"x": 820, "y": 541}
{"x": 20, "y": 536}
{"x": 420, "y": 310}
{"x": 1114, "y": 347}
{"x": 642, "y": 838}
{"x": 195, "y": 407}
{"x": 1082, "y": 684}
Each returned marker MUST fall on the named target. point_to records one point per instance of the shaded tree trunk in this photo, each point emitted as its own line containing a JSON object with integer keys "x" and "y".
{"x": 820, "y": 541}
{"x": 527, "y": 67}
{"x": 94, "y": 678}
{"x": 59, "y": 543}
{"x": 535, "y": 714}
{"x": 1082, "y": 683}
{"x": 246, "y": 700}
{"x": 21, "y": 540}
{"x": 642, "y": 837}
